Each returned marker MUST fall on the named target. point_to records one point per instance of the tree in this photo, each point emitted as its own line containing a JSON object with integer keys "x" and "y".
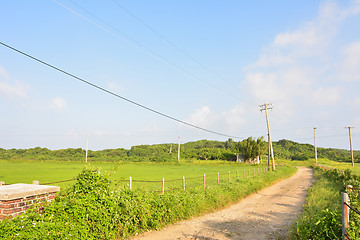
{"x": 251, "y": 148}
{"x": 229, "y": 144}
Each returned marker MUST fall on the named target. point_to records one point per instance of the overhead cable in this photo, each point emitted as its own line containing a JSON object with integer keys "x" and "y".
{"x": 172, "y": 44}
{"x": 114, "y": 94}
{"x": 132, "y": 42}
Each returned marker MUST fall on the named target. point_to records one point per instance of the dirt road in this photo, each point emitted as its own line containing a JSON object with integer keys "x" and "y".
{"x": 267, "y": 214}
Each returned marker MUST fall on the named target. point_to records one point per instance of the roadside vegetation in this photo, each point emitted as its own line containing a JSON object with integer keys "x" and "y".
{"x": 99, "y": 205}
{"x": 94, "y": 209}
{"x": 321, "y": 218}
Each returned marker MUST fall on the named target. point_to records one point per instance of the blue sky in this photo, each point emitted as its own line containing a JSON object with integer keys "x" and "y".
{"x": 209, "y": 63}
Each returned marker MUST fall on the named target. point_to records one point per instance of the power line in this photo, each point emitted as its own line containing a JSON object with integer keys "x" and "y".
{"x": 132, "y": 42}
{"x": 114, "y": 94}
{"x": 172, "y": 44}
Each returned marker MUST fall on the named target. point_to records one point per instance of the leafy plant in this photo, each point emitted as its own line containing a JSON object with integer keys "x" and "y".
{"x": 93, "y": 209}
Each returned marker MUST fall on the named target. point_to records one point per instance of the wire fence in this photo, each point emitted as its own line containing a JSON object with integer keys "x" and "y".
{"x": 183, "y": 183}
{"x": 345, "y": 204}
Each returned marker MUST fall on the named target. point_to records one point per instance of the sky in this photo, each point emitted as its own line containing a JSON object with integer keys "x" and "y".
{"x": 207, "y": 63}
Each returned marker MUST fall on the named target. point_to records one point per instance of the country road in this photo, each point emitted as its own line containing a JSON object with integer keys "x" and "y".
{"x": 267, "y": 214}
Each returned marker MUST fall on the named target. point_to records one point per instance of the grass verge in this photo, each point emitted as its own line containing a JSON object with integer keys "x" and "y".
{"x": 92, "y": 209}
{"x": 321, "y": 218}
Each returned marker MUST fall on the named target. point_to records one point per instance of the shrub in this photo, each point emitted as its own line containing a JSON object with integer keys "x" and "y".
{"x": 91, "y": 209}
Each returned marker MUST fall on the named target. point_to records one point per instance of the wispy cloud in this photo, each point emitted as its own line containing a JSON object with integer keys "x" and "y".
{"x": 58, "y": 104}
{"x": 350, "y": 68}
{"x": 11, "y": 88}
{"x": 298, "y": 64}
{"x": 202, "y": 117}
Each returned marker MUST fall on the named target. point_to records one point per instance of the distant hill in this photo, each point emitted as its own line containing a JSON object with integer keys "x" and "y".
{"x": 203, "y": 149}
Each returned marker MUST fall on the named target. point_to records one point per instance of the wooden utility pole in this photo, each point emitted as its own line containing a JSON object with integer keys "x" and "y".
{"x": 351, "y": 148}
{"x": 265, "y": 108}
{"x": 315, "y": 145}
{"x": 179, "y": 150}
{"x": 87, "y": 144}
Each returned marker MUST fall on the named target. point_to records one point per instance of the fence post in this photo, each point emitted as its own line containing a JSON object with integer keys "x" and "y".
{"x": 204, "y": 180}
{"x": 130, "y": 183}
{"x": 163, "y": 186}
{"x": 229, "y": 176}
{"x": 345, "y": 213}
{"x": 35, "y": 182}
{"x": 183, "y": 183}
{"x": 218, "y": 178}
{"x": 244, "y": 173}
{"x": 237, "y": 174}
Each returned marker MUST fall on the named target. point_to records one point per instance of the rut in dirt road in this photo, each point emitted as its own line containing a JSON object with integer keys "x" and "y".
{"x": 267, "y": 214}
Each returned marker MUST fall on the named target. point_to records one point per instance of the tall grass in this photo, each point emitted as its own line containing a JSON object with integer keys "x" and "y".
{"x": 321, "y": 218}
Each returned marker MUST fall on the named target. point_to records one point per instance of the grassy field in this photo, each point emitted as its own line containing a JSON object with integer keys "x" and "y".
{"x": 341, "y": 165}
{"x": 54, "y": 171}
{"x": 90, "y": 209}
{"x": 321, "y": 218}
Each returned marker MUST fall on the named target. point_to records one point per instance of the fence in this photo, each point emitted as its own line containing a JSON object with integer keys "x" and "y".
{"x": 181, "y": 183}
{"x": 345, "y": 204}
{"x": 345, "y": 211}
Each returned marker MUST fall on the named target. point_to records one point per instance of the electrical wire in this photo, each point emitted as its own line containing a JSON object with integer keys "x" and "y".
{"x": 132, "y": 42}
{"x": 173, "y": 44}
{"x": 114, "y": 94}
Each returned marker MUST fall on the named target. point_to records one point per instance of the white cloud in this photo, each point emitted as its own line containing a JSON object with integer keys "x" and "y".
{"x": 355, "y": 102}
{"x": 202, "y": 117}
{"x": 11, "y": 88}
{"x": 264, "y": 86}
{"x": 300, "y": 65}
{"x": 326, "y": 96}
{"x": 58, "y": 104}
{"x": 350, "y": 69}
{"x": 152, "y": 129}
{"x": 312, "y": 37}
{"x": 3, "y": 73}
{"x": 113, "y": 86}
{"x": 235, "y": 116}
{"x": 17, "y": 89}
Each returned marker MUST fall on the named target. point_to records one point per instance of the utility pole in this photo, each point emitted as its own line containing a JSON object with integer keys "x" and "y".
{"x": 315, "y": 145}
{"x": 351, "y": 148}
{"x": 265, "y": 108}
{"x": 179, "y": 150}
{"x": 170, "y": 149}
{"x": 87, "y": 145}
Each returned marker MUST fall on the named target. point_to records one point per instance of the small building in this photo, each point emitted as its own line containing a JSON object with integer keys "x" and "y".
{"x": 241, "y": 158}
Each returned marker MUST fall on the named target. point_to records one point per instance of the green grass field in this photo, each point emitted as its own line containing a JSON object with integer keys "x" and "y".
{"x": 340, "y": 165}
{"x": 16, "y": 171}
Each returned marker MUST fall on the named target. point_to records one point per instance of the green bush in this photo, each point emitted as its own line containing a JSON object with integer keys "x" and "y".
{"x": 91, "y": 209}
{"x": 321, "y": 218}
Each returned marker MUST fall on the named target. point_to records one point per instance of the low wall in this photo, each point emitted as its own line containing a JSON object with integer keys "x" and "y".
{"x": 15, "y": 199}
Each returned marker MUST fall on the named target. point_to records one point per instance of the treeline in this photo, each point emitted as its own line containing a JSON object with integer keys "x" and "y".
{"x": 202, "y": 150}
{"x": 298, "y": 151}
